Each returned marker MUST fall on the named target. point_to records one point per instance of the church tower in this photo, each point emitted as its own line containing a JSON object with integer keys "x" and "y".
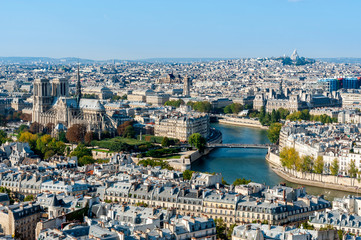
{"x": 78, "y": 89}
{"x": 60, "y": 87}
{"x": 186, "y": 86}
{"x": 42, "y": 98}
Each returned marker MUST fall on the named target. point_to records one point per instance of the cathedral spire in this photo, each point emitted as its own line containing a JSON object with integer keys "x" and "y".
{"x": 78, "y": 89}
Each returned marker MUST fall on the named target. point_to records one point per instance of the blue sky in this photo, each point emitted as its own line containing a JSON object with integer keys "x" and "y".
{"x": 135, "y": 29}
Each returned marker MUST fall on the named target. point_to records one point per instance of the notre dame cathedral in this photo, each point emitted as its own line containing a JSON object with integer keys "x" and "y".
{"x": 52, "y": 104}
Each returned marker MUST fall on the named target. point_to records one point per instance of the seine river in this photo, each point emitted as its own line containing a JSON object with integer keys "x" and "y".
{"x": 251, "y": 164}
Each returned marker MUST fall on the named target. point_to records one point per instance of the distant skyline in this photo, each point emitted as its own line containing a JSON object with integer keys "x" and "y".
{"x": 140, "y": 29}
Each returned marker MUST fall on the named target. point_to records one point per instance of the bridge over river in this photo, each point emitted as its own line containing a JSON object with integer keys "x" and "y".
{"x": 239, "y": 145}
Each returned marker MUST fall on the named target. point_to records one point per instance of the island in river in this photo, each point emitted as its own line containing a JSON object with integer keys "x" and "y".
{"x": 251, "y": 164}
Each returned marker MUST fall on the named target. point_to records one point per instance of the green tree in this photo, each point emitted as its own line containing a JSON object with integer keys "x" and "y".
{"x": 241, "y": 181}
{"x": 307, "y": 164}
{"x": 59, "y": 147}
{"x": 165, "y": 142}
{"x": 29, "y": 138}
{"x": 67, "y": 151}
{"x": 80, "y": 151}
{"x": 334, "y": 167}
{"x": 319, "y": 165}
{"x": 234, "y": 108}
{"x": 187, "y": 174}
{"x": 62, "y": 136}
{"x": 3, "y": 136}
{"x": 3, "y": 121}
{"x": 227, "y": 109}
{"x": 119, "y": 147}
{"x": 221, "y": 229}
{"x": 200, "y": 106}
{"x": 125, "y": 97}
{"x": 5, "y": 190}
{"x": 85, "y": 160}
{"x": 155, "y": 162}
{"x": 283, "y": 113}
{"x": 230, "y": 230}
{"x": 121, "y": 128}
{"x": 305, "y": 114}
{"x": 174, "y": 103}
{"x": 340, "y": 234}
{"x": 48, "y": 154}
{"x": 300, "y": 115}
{"x": 273, "y": 132}
{"x": 352, "y": 170}
{"x": 129, "y": 132}
{"x": 198, "y": 141}
{"x": 307, "y": 226}
{"x": 262, "y": 113}
{"x": 116, "y": 98}
{"x": 42, "y": 144}
{"x": 224, "y": 182}
{"x": 289, "y": 158}
{"x": 22, "y": 128}
{"x": 275, "y": 116}
{"x": 29, "y": 198}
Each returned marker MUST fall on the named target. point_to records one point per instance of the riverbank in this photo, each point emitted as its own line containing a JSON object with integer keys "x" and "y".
{"x": 243, "y": 122}
{"x": 312, "y": 179}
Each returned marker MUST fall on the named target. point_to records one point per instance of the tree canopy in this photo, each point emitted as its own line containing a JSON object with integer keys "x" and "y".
{"x": 198, "y": 141}
{"x": 319, "y": 165}
{"x": 174, "y": 103}
{"x": 121, "y": 128}
{"x": 76, "y": 133}
{"x": 273, "y": 132}
{"x": 3, "y": 137}
{"x": 289, "y": 158}
{"x": 234, "y": 108}
{"x": 165, "y": 142}
{"x": 334, "y": 167}
{"x": 204, "y": 106}
{"x": 241, "y": 181}
{"x": 187, "y": 174}
{"x": 83, "y": 154}
{"x": 307, "y": 164}
{"x": 45, "y": 146}
{"x": 352, "y": 169}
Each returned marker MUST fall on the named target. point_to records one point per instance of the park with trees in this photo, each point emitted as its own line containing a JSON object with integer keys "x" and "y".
{"x": 174, "y": 103}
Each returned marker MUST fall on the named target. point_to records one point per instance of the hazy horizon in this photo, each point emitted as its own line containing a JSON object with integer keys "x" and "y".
{"x": 151, "y": 58}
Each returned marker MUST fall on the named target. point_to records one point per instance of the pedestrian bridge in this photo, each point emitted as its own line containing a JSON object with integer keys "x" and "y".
{"x": 239, "y": 145}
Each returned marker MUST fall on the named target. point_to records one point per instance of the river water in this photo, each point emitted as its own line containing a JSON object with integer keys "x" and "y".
{"x": 251, "y": 164}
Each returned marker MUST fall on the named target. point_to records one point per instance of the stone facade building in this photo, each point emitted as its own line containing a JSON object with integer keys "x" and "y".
{"x": 182, "y": 126}
{"x": 99, "y": 92}
{"x": 297, "y": 101}
{"x": 20, "y": 220}
{"x": 157, "y": 99}
{"x": 170, "y": 79}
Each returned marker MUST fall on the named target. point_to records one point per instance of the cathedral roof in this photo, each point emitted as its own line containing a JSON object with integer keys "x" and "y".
{"x": 91, "y": 104}
{"x": 70, "y": 102}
